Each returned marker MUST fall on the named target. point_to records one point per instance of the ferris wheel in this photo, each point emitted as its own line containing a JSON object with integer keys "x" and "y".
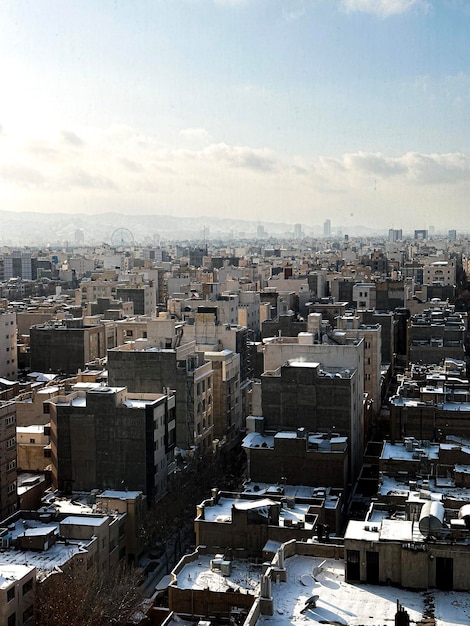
{"x": 122, "y": 238}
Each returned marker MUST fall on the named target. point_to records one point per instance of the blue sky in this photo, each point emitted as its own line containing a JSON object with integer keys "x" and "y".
{"x": 288, "y": 110}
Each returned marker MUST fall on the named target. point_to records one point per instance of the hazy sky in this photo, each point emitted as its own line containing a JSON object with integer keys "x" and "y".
{"x": 288, "y": 110}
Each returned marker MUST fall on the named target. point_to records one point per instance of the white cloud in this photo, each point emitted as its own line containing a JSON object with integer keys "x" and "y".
{"x": 71, "y": 138}
{"x": 257, "y": 159}
{"x": 115, "y": 170}
{"x": 410, "y": 168}
{"x": 196, "y": 135}
{"x": 21, "y": 175}
{"x": 294, "y": 10}
{"x": 384, "y": 8}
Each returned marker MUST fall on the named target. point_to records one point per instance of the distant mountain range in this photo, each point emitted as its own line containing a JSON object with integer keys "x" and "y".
{"x": 60, "y": 229}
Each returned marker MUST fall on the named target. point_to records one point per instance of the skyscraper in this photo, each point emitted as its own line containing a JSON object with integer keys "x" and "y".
{"x": 327, "y": 228}
{"x": 395, "y": 234}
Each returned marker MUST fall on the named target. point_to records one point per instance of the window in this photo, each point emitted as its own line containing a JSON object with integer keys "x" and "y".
{"x": 47, "y": 453}
{"x": 28, "y": 586}
{"x": 46, "y": 407}
{"x": 11, "y": 443}
{"x": 11, "y": 465}
{"x": 28, "y": 614}
{"x": 10, "y": 594}
{"x": 32, "y": 440}
{"x": 11, "y": 487}
{"x": 11, "y": 620}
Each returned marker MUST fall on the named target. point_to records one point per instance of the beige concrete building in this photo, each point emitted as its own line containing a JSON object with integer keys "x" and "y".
{"x": 32, "y": 408}
{"x": 350, "y": 327}
{"x": 400, "y": 552}
{"x": 226, "y": 395}
{"x": 8, "y": 357}
{"x": 364, "y": 296}
{"x": 17, "y": 587}
{"x": 33, "y": 446}
{"x": 442, "y": 272}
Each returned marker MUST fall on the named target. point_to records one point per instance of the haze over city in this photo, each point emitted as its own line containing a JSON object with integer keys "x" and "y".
{"x": 289, "y": 111}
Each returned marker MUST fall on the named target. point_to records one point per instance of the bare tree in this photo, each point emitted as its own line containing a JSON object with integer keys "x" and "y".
{"x": 81, "y": 597}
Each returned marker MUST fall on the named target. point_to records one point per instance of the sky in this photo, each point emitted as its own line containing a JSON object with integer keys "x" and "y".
{"x": 279, "y": 110}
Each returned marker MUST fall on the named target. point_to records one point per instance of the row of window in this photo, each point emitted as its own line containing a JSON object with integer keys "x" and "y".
{"x": 27, "y": 615}
{"x": 27, "y": 587}
{"x": 201, "y": 386}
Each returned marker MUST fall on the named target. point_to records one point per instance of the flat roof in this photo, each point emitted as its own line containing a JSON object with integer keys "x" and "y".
{"x": 84, "y": 520}
{"x": 11, "y": 572}
{"x": 399, "y": 451}
{"x": 119, "y": 495}
{"x": 197, "y": 574}
{"x": 222, "y": 511}
{"x": 356, "y": 604}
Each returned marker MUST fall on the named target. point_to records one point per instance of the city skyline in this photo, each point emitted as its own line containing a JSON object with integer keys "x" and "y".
{"x": 288, "y": 111}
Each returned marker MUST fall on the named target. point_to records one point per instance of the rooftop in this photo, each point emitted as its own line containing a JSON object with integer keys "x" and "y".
{"x": 323, "y": 442}
{"x": 354, "y": 605}
{"x": 198, "y": 574}
{"x": 289, "y": 515}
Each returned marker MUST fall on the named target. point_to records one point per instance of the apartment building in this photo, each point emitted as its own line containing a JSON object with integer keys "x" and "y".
{"x": 109, "y": 438}
{"x": 226, "y": 393}
{"x": 68, "y": 345}
{"x": 17, "y": 594}
{"x": 8, "y": 458}
{"x": 145, "y": 368}
{"x": 435, "y": 334}
{"x": 295, "y": 457}
{"x": 8, "y": 343}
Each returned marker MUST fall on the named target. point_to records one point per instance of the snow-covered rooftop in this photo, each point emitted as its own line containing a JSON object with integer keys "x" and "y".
{"x": 354, "y": 604}
{"x": 10, "y": 572}
{"x": 222, "y": 511}
{"x": 322, "y": 442}
{"x": 197, "y": 574}
{"x": 399, "y": 451}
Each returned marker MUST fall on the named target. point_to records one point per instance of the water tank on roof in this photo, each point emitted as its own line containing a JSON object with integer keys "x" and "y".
{"x": 464, "y": 513}
{"x": 431, "y": 519}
